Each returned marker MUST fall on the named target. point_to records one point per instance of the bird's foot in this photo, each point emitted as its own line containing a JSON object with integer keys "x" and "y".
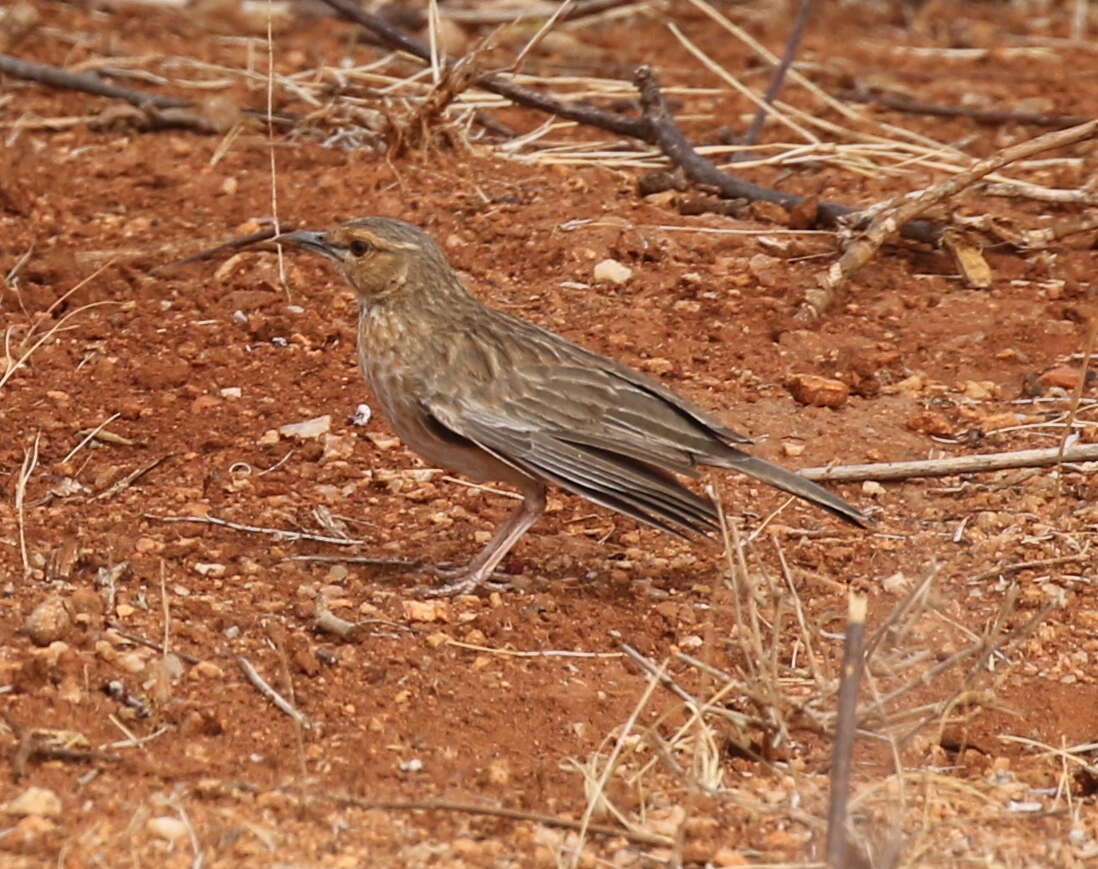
{"x": 462, "y": 581}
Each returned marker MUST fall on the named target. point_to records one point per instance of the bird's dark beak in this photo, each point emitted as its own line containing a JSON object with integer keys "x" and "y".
{"x": 317, "y": 242}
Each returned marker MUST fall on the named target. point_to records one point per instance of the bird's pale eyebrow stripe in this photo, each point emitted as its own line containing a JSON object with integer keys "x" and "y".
{"x": 385, "y": 243}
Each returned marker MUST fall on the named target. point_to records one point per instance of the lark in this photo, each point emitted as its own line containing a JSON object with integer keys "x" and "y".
{"x": 495, "y": 398}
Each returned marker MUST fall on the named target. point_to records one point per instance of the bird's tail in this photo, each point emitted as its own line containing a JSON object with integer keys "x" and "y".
{"x": 794, "y": 484}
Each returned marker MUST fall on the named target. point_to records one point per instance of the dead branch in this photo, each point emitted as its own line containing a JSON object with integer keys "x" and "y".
{"x": 88, "y": 82}
{"x": 263, "y": 687}
{"x": 496, "y": 812}
{"x": 329, "y": 622}
{"x": 255, "y": 529}
{"x": 1022, "y": 190}
{"x": 983, "y": 116}
{"x": 131, "y": 478}
{"x": 777, "y": 78}
{"x": 888, "y": 217}
{"x": 846, "y": 726}
{"x": 956, "y": 465}
{"x": 156, "y": 111}
{"x": 581, "y": 9}
{"x": 655, "y": 126}
{"x": 150, "y": 644}
{"x": 1004, "y": 570}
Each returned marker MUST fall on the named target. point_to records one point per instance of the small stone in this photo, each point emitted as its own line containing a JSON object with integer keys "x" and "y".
{"x": 362, "y": 415}
{"x": 896, "y": 583}
{"x": 209, "y": 569}
{"x": 658, "y": 365}
{"x": 49, "y": 621}
{"x": 35, "y": 801}
{"x": 1063, "y": 376}
{"x": 207, "y": 670}
{"x": 499, "y": 772}
{"x": 269, "y": 437}
{"x": 818, "y": 391}
{"x": 166, "y": 827}
{"x": 204, "y": 402}
{"x": 426, "y": 610}
{"x": 931, "y": 423}
{"x": 980, "y": 390}
{"x": 612, "y": 271}
{"x": 873, "y": 488}
{"x": 336, "y": 447}
{"x": 307, "y": 429}
{"x": 229, "y": 186}
{"x": 232, "y": 392}
{"x": 792, "y": 449}
{"x": 85, "y": 602}
{"x": 729, "y": 857}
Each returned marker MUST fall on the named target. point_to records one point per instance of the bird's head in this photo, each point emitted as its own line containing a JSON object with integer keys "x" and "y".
{"x": 379, "y": 256}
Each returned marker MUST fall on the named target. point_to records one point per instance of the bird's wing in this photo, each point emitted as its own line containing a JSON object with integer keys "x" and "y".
{"x": 611, "y": 478}
{"x": 599, "y": 408}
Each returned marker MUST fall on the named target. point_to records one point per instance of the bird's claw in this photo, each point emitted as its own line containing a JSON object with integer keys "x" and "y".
{"x": 461, "y": 582}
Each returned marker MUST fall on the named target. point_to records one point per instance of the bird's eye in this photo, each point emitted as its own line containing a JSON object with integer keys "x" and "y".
{"x": 358, "y": 247}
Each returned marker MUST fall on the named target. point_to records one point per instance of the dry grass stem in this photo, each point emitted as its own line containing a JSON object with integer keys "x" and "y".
{"x": 982, "y": 463}
{"x": 280, "y": 533}
{"x": 30, "y": 462}
{"x": 264, "y": 688}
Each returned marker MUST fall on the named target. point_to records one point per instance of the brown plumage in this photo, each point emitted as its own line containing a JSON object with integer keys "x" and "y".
{"x": 495, "y": 398}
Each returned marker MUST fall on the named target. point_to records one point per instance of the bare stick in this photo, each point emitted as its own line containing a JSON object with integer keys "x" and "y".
{"x": 667, "y": 136}
{"x": 580, "y": 9}
{"x": 1077, "y": 394}
{"x": 91, "y": 435}
{"x": 131, "y": 478}
{"x": 256, "y": 529}
{"x": 956, "y": 465}
{"x": 1038, "y": 564}
{"x": 895, "y": 215}
{"x": 983, "y": 116}
{"x": 842, "y": 752}
{"x": 778, "y": 77}
{"x": 163, "y": 110}
{"x": 150, "y": 644}
{"x": 654, "y": 127}
{"x": 329, "y": 622}
{"x": 87, "y": 82}
{"x": 30, "y": 462}
{"x": 498, "y": 812}
{"x": 263, "y": 687}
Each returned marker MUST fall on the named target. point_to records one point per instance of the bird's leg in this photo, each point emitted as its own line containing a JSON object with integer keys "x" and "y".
{"x": 495, "y": 550}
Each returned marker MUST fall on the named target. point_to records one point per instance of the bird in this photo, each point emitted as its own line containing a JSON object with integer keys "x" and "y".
{"x": 499, "y": 399}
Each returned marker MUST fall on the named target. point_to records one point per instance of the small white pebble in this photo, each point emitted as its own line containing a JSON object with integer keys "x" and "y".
{"x": 166, "y": 827}
{"x": 613, "y": 271}
{"x": 362, "y": 415}
{"x": 35, "y": 801}
{"x": 309, "y": 428}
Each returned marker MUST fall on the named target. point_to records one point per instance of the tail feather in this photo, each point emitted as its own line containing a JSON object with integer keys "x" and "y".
{"x": 792, "y": 483}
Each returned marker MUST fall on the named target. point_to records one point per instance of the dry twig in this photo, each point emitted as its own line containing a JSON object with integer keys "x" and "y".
{"x": 264, "y": 687}
{"x": 256, "y": 529}
{"x": 983, "y": 116}
{"x": 956, "y": 465}
{"x": 637, "y": 836}
{"x": 888, "y": 217}
{"x": 842, "y": 751}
